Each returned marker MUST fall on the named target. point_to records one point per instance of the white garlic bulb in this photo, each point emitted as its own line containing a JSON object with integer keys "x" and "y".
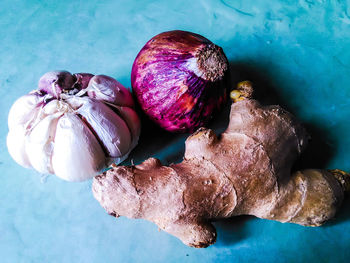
{"x": 73, "y": 126}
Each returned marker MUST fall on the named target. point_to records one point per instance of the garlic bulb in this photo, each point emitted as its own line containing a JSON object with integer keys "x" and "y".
{"x": 73, "y": 126}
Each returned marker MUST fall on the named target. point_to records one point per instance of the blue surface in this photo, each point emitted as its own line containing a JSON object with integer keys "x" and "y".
{"x": 297, "y": 52}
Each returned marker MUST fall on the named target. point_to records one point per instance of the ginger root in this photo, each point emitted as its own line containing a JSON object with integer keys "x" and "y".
{"x": 245, "y": 171}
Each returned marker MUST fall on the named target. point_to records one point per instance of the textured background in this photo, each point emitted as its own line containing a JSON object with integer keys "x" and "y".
{"x": 296, "y": 52}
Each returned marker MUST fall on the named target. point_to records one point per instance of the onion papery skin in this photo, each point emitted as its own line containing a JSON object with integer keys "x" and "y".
{"x": 179, "y": 79}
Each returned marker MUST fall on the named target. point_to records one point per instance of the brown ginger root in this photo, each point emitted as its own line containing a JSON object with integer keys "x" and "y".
{"x": 245, "y": 171}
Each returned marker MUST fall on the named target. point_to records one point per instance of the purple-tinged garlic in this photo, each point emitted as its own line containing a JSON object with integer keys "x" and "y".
{"x": 73, "y": 126}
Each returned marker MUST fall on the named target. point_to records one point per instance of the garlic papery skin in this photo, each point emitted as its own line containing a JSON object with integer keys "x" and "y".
{"x": 25, "y": 110}
{"x": 77, "y": 154}
{"x": 73, "y": 126}
{"x": 55, "y": 82}
{"x": 16, "y": 147}
{"x": 39, "y": 143}
{"x": 132, "y": 120}
{"x": 105, "y": 88}
{"x": 114, "y": 134}
{"x": 22, "y": 116}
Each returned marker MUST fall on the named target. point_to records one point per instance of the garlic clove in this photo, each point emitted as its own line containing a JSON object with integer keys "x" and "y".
{"x": 132, "y": 120}
{"x": 16, "y": 146}
{"x": 105, "y": 88}
{"x": 24, "y": 111}
{"x": 77, "y": 155}
{"x": 22, "y": 116}
{"x": 82, "y": 80}
{"x": 110, "y": 129}
{"x": 40, "y": 143}
{"x": 55, "y": 82}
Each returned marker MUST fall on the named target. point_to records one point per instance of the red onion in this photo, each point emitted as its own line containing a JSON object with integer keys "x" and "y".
{"x": 178, "y": 78}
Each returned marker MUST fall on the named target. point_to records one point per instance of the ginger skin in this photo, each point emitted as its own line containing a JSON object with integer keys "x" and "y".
{"x": 245, "y": 171}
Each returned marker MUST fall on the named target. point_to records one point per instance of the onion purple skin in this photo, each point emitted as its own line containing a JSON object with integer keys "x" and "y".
{"x": 179, "y": 79}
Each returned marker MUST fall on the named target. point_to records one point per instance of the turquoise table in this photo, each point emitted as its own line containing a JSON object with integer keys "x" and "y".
{"x": 296, "y": 52}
